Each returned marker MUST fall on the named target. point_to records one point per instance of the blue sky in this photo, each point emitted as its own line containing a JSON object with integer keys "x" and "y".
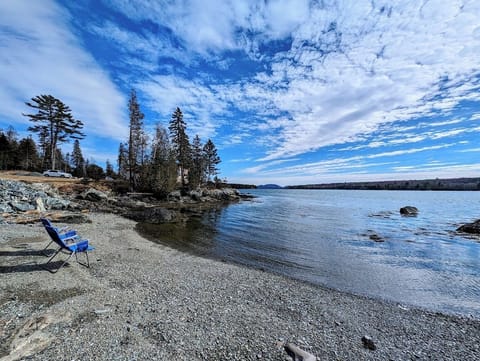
{"x": 290, "y": 91}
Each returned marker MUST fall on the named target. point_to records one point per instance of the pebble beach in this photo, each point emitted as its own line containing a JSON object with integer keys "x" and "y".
{"x": 144, "y": 301}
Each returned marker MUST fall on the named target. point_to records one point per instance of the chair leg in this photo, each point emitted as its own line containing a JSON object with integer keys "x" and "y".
{"x": 51, "y": 259}
{"x": 83, "y": 264}
{"x": 44, "y": 251}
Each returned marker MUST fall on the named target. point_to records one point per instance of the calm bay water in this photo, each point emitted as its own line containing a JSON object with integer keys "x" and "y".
{"x": 322, "y": 236}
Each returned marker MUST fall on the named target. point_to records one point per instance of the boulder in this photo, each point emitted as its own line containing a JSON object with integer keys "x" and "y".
{"x": 152, "y": 215}
{"x": 409, "y": 211}
{"x": 93, "y": 195}
{"x": 376, "y": 238}
{"x": 225, "y": 194}
{"x": 40, "y": 205}
{"x": 196, "y": 195}
{"x": 175, "y": 196}
{"x": 56, "y": 203}
{"x": 21, "y": 206}
{"x": 5, "y": 208}
{"x": 473, "y": 228}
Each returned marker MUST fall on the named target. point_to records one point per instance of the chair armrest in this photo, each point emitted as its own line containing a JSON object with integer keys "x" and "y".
{"x": 73, "y": 238}
{"x": 65, "y": 229}
{"x": 69, "y": 234}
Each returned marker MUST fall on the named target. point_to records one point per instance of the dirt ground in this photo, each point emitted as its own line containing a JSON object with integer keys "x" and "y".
{"x": 30, "y": 177}
{"x": 63, "y": 185}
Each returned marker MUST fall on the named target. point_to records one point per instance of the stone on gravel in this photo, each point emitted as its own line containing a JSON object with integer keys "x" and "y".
{"x": 368, "y": 343}
{"x": 297, "y": 354}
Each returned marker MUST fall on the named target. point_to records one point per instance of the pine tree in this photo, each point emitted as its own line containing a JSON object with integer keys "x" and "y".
{"x": 95, "y": 171}
{"x": 10, "y": 155}
{"x": 122, "y": 161}
{"x": 136, "y": 140}
{"x": 211, "y": 159}
{"x": 54, "y": 123}
{"x": 196, "y": 174}
{"x": 180, "y": 143}
{"x": 163, "y": 168}
{"x": 77, "y": 160}
{"x": 27, "y": 151}
{"x": 5, "y": 151}
{"x": 109, "y": 172}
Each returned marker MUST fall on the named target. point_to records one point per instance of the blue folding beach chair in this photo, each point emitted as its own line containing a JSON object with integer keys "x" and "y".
{"x": 64, "y": 231}
{"x": 72, "y": 245}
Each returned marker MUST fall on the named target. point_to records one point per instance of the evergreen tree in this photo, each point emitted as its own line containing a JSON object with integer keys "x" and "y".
{"x": 68, "y": 163}
{"x": 109, "y": 172}
{"x": 136, "y": 141}
{"x": 44, "y": 148}
{"x": 9, "y": 157}
{"x": 196, "y": 173}
{"x": 27, "y": 151}
{"x": 211, "y": 159}
{"x": 180, "y": 143}
{"x": 122, "y": 161}
{"x": 11, "y": 134}
{"x": 5, "y": 152}
{"x": 54, "y": 123}
{"x": 163, "y": 167}
{"x": 95, "y": 171}
{"x": 77, "y": 160}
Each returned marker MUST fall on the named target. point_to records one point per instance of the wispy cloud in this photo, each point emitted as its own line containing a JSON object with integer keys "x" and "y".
{"x": 46, "y": 58}
{"x": 339, "y": 73}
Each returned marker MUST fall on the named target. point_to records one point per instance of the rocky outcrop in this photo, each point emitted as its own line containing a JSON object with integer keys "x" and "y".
{"x": 205, "y": 195}
{"x": 20, "y": 197}
{"x": 152, "y": 215}
{"x": 473, "y": 228}
{"x": 409, "y": 211}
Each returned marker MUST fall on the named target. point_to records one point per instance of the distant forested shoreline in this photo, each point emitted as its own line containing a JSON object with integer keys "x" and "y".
{"x": 453, "y": 184}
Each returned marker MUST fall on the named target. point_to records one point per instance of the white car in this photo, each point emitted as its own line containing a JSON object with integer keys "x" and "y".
{"x": 56, "y": 173}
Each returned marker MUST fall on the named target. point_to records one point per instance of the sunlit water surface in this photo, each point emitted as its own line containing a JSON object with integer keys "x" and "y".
{"x": 323, "y": 236}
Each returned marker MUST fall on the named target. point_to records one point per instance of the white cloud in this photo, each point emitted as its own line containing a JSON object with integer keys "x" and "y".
{"x": 40, "y": 55}
{"x": 324, "y": 169}
{"x": 199, "y": 103}
{"x": 350, "y": 70}
{"x": 378, "y": 69}
{"x": 209, "y": 26}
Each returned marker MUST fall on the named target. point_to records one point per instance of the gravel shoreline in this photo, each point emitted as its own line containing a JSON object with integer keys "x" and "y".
{"x": 143, "y": 301}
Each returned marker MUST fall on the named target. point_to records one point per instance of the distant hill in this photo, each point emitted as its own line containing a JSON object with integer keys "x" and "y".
{"x": 454, "y": 184}
{"x": 269, "y": 186}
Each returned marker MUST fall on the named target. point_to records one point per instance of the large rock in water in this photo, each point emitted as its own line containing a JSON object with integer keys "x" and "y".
{"x": 473, "y": 228}
{"x": 152, "y": 215}
{"x": 409, "y": 211}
